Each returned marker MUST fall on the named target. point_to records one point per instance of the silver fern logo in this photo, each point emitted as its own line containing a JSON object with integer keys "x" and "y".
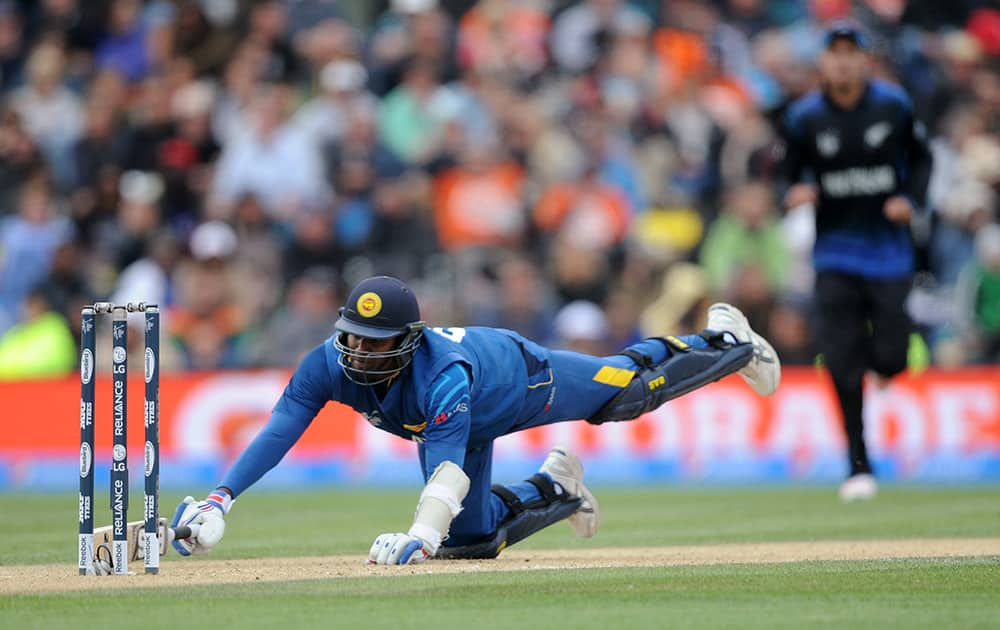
{"x": 876, "y": 134}
{"x": 828, "y": 143}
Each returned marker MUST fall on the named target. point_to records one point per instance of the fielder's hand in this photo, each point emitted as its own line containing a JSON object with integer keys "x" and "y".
{"x": 209, "y": 515}
{"x": 800, "y": 195}
{"x": 400, "y": 549}
{"x": 898, "y": 209}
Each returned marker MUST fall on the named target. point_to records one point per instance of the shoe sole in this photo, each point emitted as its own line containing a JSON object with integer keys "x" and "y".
{"x": 763, "y": 352}
{"x": 592, "y": 508}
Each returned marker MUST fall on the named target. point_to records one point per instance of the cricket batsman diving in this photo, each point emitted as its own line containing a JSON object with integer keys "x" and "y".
{"x": 454, "y": 391}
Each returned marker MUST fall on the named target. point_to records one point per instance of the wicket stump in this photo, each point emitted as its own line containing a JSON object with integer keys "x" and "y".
{"x": 119, "y": 452}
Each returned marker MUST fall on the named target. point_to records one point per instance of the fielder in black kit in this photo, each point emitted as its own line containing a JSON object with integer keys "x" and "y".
{"x": 855, "y": 152}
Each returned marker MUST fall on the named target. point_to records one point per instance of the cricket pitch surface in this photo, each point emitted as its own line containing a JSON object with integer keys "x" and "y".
{"x": 178, "y": 572}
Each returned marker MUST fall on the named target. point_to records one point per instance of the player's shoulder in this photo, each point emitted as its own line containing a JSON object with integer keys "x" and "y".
{"x": 471, "y": 345}
{"x": 327, "y": 351}
{"x": 451, "y": 336}
{"x": 890, "y": 93}
{"x": 315, "y": 364}
{"x": 313, "y": 379}
{"x": 440, "y": 342}
{"x": 809, "y": 104}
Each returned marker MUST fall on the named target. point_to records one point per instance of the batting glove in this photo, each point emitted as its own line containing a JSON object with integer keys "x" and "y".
{"x": 399, "y": 549}
{"x": 209, "y": 515}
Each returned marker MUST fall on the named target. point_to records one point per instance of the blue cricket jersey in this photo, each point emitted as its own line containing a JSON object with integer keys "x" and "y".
{"x": 464, "y": 388}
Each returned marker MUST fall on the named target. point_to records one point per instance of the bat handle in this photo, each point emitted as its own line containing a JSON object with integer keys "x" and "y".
{"x": 185, "y": 531}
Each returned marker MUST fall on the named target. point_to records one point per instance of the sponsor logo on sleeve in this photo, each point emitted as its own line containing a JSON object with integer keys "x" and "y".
{"x": 461, "y": 407}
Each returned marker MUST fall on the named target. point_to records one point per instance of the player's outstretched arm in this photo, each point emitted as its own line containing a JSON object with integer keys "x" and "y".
{"x": 440, "y": 502}
{"x": 306, "y": 393}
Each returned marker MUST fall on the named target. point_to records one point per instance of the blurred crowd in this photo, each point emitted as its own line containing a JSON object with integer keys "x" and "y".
{"x": 587, "y": 173}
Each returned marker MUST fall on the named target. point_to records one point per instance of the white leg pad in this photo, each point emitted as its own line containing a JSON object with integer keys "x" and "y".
{"x": 440, "y": 502}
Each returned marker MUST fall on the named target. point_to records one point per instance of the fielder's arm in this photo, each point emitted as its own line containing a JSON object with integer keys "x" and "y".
{"x": 440, "y": 502}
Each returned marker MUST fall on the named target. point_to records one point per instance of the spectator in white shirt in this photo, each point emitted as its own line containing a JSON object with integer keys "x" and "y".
{"x": 274, "y": 160}
{"x": 325, "y": 118}
{"x": 51, "y": 113}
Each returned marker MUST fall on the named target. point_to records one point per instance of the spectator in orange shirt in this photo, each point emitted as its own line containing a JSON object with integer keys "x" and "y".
{"x": 498, "y": 35}
{"x": 479, "y": 201}
{"x": 592, "y": 212}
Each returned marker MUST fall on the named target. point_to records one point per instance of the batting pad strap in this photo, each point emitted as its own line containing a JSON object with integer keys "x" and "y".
{"x": 642, "y": 360}
{"x": 509, "y": 499}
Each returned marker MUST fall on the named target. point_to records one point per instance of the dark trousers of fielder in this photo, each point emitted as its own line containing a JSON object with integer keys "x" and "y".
{"x": 860, "y": 324}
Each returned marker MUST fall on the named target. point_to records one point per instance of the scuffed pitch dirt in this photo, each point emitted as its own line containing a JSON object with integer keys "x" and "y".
{"x": 185, "y": 572}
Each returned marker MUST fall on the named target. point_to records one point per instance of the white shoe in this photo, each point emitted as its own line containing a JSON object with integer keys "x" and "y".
{"x": 763, "y": 373}
{"x": 861, "y": 487}
{"x": 565, "y": 469}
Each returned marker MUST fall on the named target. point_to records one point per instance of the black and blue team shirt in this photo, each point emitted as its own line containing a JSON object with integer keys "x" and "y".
{"x": 859, "y": 158}
{"x": 442, "y": 401}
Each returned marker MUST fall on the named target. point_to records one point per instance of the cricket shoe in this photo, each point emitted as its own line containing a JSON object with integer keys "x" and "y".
{"x": 566, "y": 470}
{"x": 763, "y": 372}
{"x": 860, "y": 487}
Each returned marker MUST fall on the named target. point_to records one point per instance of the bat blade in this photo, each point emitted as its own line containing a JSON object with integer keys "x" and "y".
{"x": 135, "y": 531}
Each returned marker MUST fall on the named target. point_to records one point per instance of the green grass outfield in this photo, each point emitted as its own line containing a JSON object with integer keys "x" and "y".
{"x": 955, "y": 592}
